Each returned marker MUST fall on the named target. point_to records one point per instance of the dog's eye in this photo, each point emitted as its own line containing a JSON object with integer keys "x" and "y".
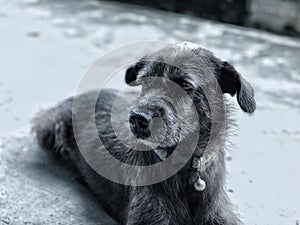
{"x": 187, "y": 86}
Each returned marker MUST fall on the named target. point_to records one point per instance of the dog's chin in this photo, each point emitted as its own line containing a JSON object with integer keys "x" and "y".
{"x": 149, "y": 143}
{"x": 158, "y": 145}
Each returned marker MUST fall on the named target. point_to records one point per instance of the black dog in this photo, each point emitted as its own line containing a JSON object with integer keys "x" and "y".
{"x": 195, "y": 195}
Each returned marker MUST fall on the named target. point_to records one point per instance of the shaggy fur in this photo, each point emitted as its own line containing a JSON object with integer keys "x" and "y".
{"x": 173, "y": 201}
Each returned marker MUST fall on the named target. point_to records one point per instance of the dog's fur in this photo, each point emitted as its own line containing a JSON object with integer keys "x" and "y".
{"x": 173, "y": 201}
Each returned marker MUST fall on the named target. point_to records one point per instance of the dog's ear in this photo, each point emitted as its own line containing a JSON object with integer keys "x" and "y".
{"x": 232, "y": 82}
{"x": 132, "y": 72}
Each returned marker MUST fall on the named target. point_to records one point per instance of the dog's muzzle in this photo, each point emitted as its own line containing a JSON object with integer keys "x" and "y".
{"x": 139, "y": 123}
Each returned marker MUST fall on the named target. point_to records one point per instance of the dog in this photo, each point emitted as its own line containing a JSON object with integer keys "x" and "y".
{"x": 191, "y": 196}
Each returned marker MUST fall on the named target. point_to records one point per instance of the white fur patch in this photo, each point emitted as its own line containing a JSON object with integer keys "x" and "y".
{"x": 162, "y": 154}
{"x": 187, "y": 44}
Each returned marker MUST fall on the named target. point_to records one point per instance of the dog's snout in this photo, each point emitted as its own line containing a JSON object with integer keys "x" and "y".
{"x": 139, "y": 123}
{"x": 140, "y": 120}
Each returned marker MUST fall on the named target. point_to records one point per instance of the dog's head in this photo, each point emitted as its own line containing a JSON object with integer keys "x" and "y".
{"x": 168, "y": 77}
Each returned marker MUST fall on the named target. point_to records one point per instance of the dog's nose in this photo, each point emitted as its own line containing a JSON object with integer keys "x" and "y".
{"x": 139, "y": 123}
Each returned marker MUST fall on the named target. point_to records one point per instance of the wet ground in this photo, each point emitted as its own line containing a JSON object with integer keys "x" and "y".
{"x": 45, "y": 48}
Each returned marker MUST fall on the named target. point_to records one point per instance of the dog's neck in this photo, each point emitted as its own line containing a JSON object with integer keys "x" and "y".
{"x": 201, "y": 163}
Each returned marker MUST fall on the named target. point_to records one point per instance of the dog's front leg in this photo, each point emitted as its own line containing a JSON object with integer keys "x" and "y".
{"x": 156, "y": 208}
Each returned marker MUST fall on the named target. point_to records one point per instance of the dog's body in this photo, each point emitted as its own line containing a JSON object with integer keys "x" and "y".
{"x": 175, "y": 200}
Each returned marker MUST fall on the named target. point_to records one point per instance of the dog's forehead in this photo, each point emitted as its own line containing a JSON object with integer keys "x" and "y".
{"x": 176, "y": 60}
{"x": 182, "y": 55}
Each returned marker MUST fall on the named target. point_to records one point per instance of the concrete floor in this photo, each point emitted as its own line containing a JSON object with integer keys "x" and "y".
{"x": 46, "y": 46}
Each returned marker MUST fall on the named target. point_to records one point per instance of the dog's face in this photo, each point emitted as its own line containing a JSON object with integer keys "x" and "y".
{"x": 172, "y": 81}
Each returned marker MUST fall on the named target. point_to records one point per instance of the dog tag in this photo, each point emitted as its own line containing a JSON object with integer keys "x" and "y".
{"x": 200, "y": 184}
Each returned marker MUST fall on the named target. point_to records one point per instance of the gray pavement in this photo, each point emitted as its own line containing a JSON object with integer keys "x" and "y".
{"x": 35, "y": 189}
{"x": 45, "y": 48}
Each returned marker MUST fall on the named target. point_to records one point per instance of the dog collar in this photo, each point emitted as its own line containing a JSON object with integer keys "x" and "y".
{"x": 202, "y": 163}
{"x": 198, "y": 164}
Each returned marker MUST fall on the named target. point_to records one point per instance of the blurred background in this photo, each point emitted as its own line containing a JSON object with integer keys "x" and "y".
{"x": 46, "y": 46}
{"x": 280, "y": 16}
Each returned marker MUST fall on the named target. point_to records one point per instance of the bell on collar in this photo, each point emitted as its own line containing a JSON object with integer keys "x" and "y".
{"x": 200, "y": 184}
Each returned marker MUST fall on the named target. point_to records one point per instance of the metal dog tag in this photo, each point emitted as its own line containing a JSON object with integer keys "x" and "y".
{"x": 200, "y": 184}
